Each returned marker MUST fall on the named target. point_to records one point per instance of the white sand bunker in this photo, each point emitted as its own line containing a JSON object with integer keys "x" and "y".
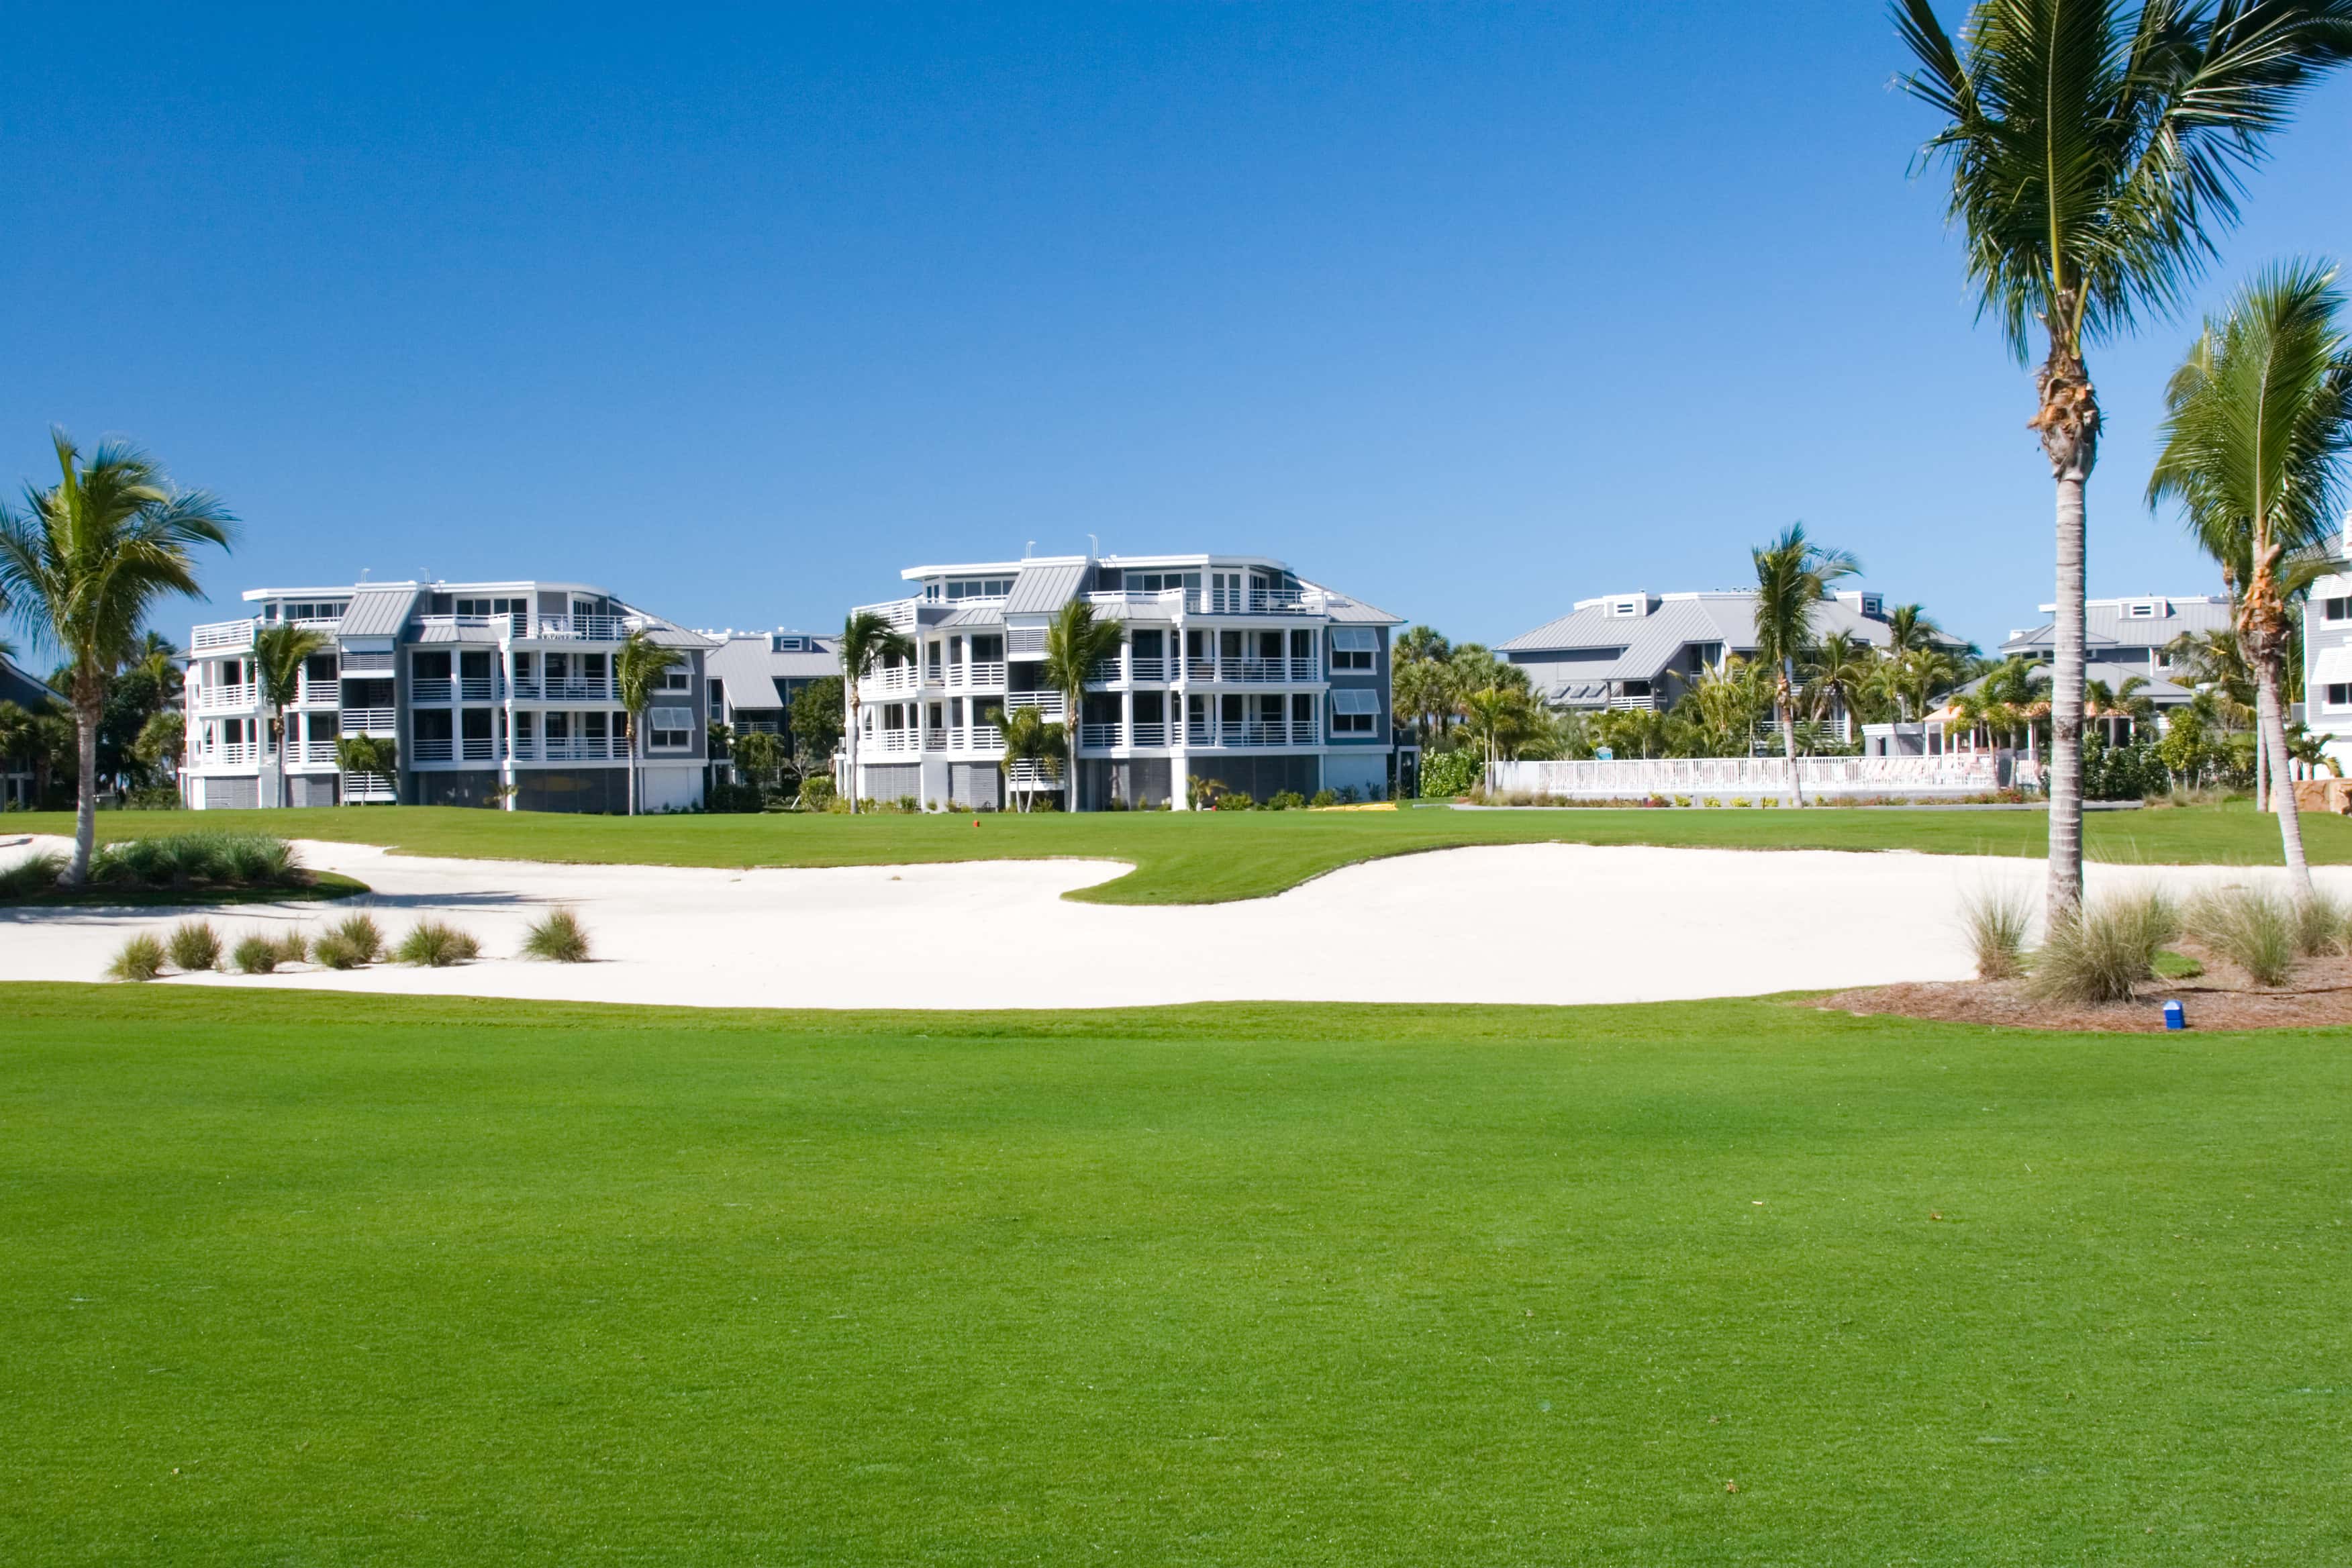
{"x": 1534, "y": 923}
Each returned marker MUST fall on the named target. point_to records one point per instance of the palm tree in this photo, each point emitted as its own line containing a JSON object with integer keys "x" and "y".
{"x": 639, "y": 665}
{"x": 867, "y": 641}
{"x": 1075, "y": 644}
{"x": 1793, "y": 577}
{"x": 279, "y": 652}
{"x": 2094, "y": 147}
{"x": 1911, "y": 628}
{"x": 1029, "y": 739}
{"x": 1496, "y": 715}
{"x": 2258, "y": 423}
{"x": 1843, "y": 667}
{"x": 84, "y": 562}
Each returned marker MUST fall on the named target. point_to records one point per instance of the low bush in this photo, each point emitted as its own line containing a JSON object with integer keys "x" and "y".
{"x": 155, "y": 797}
{"x": 331, "y": 951}
{"x": 1996, "y": 921}
{"x": 817, "y": 793}
{"x": 2253, "y": 928}
{"x": 433, "y": 944}
{"x": 195, "y": 946}
{"x": 1286, "y": 800}
{"x": 360, "y": 934}
{"x": 294, "y": 947}
{"x": 559, "y": 937}
{"x": 256, "y": 953}
{"x": 1236, "y": 800}
{"x": 2323, "y": 926}
{"x": 36, "y": 873}
{"x": 1324, "y": 797}
{"x": 2102, "y": 950}
{"x": 186, "y": 859}
{"x": 141, "y": 958}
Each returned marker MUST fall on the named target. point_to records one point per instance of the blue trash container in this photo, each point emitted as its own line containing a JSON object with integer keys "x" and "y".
{"x": 2174, "y": 1019}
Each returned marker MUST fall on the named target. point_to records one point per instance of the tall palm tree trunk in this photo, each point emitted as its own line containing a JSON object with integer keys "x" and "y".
{"x": 629, "y": 736}
{"x": 856, "y": 720}
{"x": 87, "y": 714}
{"x": 2269, "y": 743}
{"x": 1788, "y": 706}
{"x": 2069, "y": 423}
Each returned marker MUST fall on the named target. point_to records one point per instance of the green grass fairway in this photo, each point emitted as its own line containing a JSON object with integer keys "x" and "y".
{"x": 1183, "y": 857}
{"x": 295, "y": 1279}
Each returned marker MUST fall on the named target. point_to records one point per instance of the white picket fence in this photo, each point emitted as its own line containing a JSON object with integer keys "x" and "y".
{"x": 1725, "y": 778}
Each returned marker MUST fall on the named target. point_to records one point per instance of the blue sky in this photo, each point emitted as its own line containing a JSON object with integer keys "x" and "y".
{"x": 1472, "y": 312}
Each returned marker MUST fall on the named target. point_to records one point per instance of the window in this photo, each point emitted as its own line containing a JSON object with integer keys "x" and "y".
{"x": 2335, "y": 609}
{"x": 968, "y": 588}
{"x": 1353, "y": 648}
{"x": 718, "y": 699}
{"x": 1161, "y": 582}
{"x": 677, "y": 678}
{"x": 1354, "y": 712}
{"x": 669, "y": 729}
{"x": 2339, "y": 696}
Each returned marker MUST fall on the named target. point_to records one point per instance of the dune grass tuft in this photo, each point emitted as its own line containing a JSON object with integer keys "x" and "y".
{"x": 2323, "y": 926}
{"x": 2105, "y": 949}
{"x": 36, "y": 873}
{"x": 559, "y": 937}
{"x": 1997, "y": 921}
{"x": 2253, "y": 928}
{"x": 360, "y": 934}
{"x": 141, "y": 958}
{"x": 195, "y": 946}
{"x": 436, "y": 946}
{"x": 257, "y": 952}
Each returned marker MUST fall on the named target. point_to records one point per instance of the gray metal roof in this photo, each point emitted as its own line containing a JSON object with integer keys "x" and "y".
{"x": 751, "y": 670}
{"x": 1044, "y": 587}
{"x": 1641, "y": 647}
{"x": 2108, "y": 623}
{"x": 378, "y": 612}
{"x": 24, "y": 689}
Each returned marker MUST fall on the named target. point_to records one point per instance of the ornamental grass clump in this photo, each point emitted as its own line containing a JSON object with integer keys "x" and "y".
{"x": 257, "y": 952}
{"x": 558, "y": 937}
{"x": 434, "y": 946}
{"x": 293, "y": 947}
{"x": 35, "y": 874}
{"x": 2323, "y": 926}
{"x": 141, "y": 958}
{"x": 183, "y": 859}
{"x": 2100, "y": 951}
{"x": 2253, "y": 928}
{"x": 360, "y": 934}
{"x": 1996, "y": 921}
{"x": 195, "y": 946}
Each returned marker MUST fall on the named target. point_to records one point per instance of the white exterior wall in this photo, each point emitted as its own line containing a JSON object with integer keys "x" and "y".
{"x": 2321, "y": 639}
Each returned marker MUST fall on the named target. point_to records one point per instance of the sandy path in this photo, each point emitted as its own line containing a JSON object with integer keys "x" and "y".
{"x": 1544, "y": 923}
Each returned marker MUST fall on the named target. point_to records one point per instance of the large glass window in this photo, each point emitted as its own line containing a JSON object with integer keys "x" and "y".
{"x": 1354, "y": 647}
{"x": 1354, "y": 712}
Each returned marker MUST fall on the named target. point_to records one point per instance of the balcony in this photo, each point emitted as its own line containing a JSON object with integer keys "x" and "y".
{"x": 1253, "y": 672}
{"x": 478, "y": 748}
{"x": 477, "y": 689}
{"x": 1148, "y": 735}
{"x": 986, "y": 674}
{"x": 581, "y": 628}
{"x": 370, "y": 789}
{"x": 570, "y": 748}
{"x": 901, "y": 678}
{"x": 1048, "y": 704}
{"x": 221, "y": 635}
{"x": 567, "y": 688}
{"x": 890, "y": 741}
{"x": 370, "y": 722}
{"x": 230, "y": 755}
{"x": 444, "y": 750}
{"x": 1253, "y": 602}
{"x": 310, "y": 753}
{"x": 432, "y": 693}
{"x": 214, "y": 699}
{"x": 899, "y": 613}
{"x": 1100, "y": 736}
{"x": 1150, "y": 669}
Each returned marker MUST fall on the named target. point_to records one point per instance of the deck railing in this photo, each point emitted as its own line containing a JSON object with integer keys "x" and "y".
{"x": 209, "y": 698}
{"x": 370, "y": 720}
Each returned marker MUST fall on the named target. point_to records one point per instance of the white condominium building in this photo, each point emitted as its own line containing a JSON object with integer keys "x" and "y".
{"x": 1230, "y": 669}
{"x": 492, "y": 693}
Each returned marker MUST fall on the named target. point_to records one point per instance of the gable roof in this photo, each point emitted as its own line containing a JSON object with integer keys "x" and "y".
{"x": 2108, "y": 623}
{"x": 378, "y": 612}
{"x": 1045, "y": 586}
{"x": 24, "y": 689}
{"x": 753, "y": 672}
{"x": 1641, "y": 647}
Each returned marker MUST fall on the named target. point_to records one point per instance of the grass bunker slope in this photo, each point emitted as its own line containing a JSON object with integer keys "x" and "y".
{"x": 466, "y": 1282}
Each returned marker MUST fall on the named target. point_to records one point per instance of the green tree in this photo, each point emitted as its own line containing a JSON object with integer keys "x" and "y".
{"x": 1911, "y": 626}
{"x": 816, "y": 724}
{"x": 1076, "y": 643}
{"x": 1031, "y": 738}
{"x": 639, "y": 666}
{"x": 867, "y": 642}
{"x": 83, "y": 564}
{"x": 1841, "y": 669}
{"x": 1793, "y": 577}
{"x": 2094, "y": 147}
{"x": 759, "y": 756}
{"x": 162, "y": 739}
{"x": 2258, "y": 423}
{"x": 279, "y": 652}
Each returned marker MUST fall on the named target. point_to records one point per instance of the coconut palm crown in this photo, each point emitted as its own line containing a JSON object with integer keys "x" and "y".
{"x": 82, "y": 565}
{"x": 1792, "y": 576}
{"x": 2257, "y": 429}
{"x": 2095, "y": 149}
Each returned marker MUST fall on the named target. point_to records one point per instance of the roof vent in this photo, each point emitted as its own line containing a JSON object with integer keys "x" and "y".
{"x": 1628, "y": 605}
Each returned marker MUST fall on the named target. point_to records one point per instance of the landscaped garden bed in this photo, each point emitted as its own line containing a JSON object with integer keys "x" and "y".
{"x": 177, "y": 868}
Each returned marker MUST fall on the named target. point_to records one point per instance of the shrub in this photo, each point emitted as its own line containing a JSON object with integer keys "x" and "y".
{"x": 2253, "y": 928}
{"x": 434, "y": 946}
{"x": 1739, "y": 800}
{"x": 1236, "y": 800}
{"x": 360, "y": 934}
{"x": 1450, "y": 773}
{"x": 1996, "y": 921}
{"x": 36, "y": 873}
{"x": 1324, "y": 797}
{"x": 2102, "y": 950}
{"x": 154, "y": 797}
{"x": 817, "y": 793}
{"x": 1286, "y": 800}
{"x": 294, "y": 947}
{"x": 141, "y": 958}
{"x": 558, "y": 937}
{"x": 256, "y": 953}
{"x": 179, "y": 860}
{"x": 331, "y": 951}
{"x": 2322, "y": 925}
{"x": 195, "y": 946}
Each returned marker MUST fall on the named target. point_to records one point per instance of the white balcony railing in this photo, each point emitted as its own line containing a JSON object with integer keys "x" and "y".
{"x": 899, "y": 613}
{"x": 1049, "y": 704}
{"x": 1149, "y": 733}
{"x": 1101, "y": 735}
{"x": 477, "y": 689}
{"x": 436, "y": 693}
{"x": 369, "y": 789}
{"x": 901, "y": 678}
{"x": 213, "y": 697}
{"x": 440, "y": 749}
{"x": 570, "y": 748}
{"x": 572, "y": 689}
{"x": 984, "y": 673}
{"x": 310, "y": 753}
{"x": 366, "y": 663}
{"x": 583, "y": 629}
{"x": 1147, "y": 668}
{"x": 230, "y": 755}
{"x": 1253, "y": 602}
{"x": 370, "y": 720}
{"x": 891, "y": 740}
{"x": 221, "y": 634}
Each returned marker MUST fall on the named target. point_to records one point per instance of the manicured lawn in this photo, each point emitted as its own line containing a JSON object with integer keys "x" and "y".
{"x": 1187, "y": 858}
{"x": 465, "y": 1282}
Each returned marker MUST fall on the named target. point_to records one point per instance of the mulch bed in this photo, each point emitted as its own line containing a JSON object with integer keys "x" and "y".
{"x": 2318, "y": 995}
